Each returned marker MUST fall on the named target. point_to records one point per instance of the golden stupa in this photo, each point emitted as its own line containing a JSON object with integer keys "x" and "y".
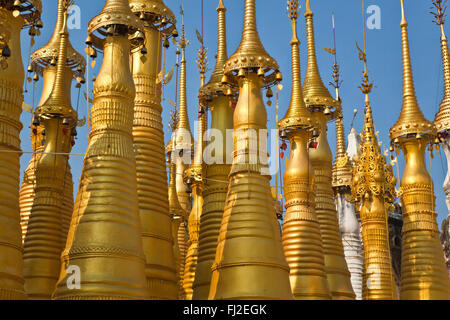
{"x": 14, "y": 16}
{"x": 159, "y": 22}
{"x": 373, "y": 188}
{"x": 217, "y": 168}
{"x": 424, "y": 275}
{"x": 320, "y": 102}
{"x": 249, "y": 222}
{"x": 301, "y": 231}
{"x": 104, "y": 239}
{"x": 55, "y": 124}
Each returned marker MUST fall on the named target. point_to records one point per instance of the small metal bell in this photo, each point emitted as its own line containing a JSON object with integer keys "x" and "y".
{"x": 36, "y": 121}
{"x": 36, "y": 77}
{"x": 283, "y": 134}
{"x": 269, "y": 93}
{"x": 278, "y": 76}
{"x": 88, "y": 40}
{"x": 66, "y": 121}
{"x": 110, "y": 30}
{"x": 39, "y": 24}
{"x": 241, "y": 73}
{"x": 327, "y": 111}
{"x": 30, "y": 69}
{"x": 175, "y": 33}
{"x": 166, "y": 43}
{"x": 53, "y": 61}
{"x": 224, "y": 79}
{"x": 261, "y": 72}
{"x": 144, "y": 50}
{"x": 6, "y": 52}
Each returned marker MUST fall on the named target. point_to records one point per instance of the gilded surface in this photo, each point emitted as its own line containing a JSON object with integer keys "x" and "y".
{"x": 424, "y": 275}
{"x": 152, "y": 186}
{"x": 301, "y": 238}
{"x": 107, "y": 196}
{"x": 11, "y": 99}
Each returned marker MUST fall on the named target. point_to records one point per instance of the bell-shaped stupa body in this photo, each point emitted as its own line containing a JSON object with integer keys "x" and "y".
{"x": 217, "y": 168}
{"x": 302, "y": 242}
{"x": 424, "y": 275}
{"x": 11, "y": 100}
{"x": 104, "y": 244}
{"x": 148, "y": 137}
{"x": 374, "y": 188}
{"x": 48, "y": 221}
{"x": 250, "y": 263}
{"x": 319, "y": 100}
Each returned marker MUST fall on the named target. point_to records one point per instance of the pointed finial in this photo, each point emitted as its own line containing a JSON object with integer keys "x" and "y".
{"x": 411, "y": 121}
{"x": 297, "y": 116}
{"x": 314, "y": 91}
{"x": 215, "y": 83}
{"x": 342, "y": 168}
{"x": 221, "y": 6}
{"x": 183, "y": 117}
{"x": 251, "y": 53}
{"x": 442, "y": 118}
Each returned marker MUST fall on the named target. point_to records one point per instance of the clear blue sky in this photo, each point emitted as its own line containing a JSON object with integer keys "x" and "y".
{"x": 384, "y": 57}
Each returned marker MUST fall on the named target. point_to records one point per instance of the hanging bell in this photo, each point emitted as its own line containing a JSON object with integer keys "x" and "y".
{"x": 6, "y": 52}
{"x": 278, "y": 76}
{"x": 315, "y": 133}
{"x": 260, "y": 72}
{"x": 93, "y": 54}
{"x": 39, "y": 24}
{"x": 74, "y": 132}
{"x": 269, "y": 93}
{"x": 144, "y": 50}
{"x": 36, "y": 77}
{"x": 53, "y": 62}
{"x": 166, "y": 43}
{"x": 79, "y": 69}
{"x": 93, "y": 79}
{"x": 396, "y": 140}
{"x": 283, "y": 134}
{"x": 138, "y": 35}
{"x": 241, "y": 73}
{"x": 175, "y": 33}
{"x": 327, "y": 111}
{"x": 229, "y": 92}
{"x": 35, "y": 121}
{"x": 189, "y": 186}
{"x": 88, "y": 40}
{"x": 66, "y": 121}
{"x": 391, "y": 149}
{"x": 224, "y": 79}
{"x": 32, "y": 32}
{"x": 418, "y": 136}
{"x": 142, "y": 16}
{"x": 17, "y": 4}
{"x": 110, "y": 30}
{"x": 30, "y": 69}
{"x": 178, "y": 52}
